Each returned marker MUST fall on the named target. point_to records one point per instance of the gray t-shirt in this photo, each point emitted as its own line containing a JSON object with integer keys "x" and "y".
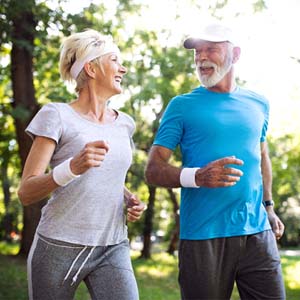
{"x": 89, "y": 210}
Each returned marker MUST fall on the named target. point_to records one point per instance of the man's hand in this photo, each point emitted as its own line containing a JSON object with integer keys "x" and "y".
{"x": 216, "y": 174}
{"x": 276, "y": 224}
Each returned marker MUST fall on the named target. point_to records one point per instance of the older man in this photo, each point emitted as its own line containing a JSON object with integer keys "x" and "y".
{"x": 228, "y": 227}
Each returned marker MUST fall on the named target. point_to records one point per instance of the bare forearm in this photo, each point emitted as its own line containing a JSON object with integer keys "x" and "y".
{"x": 160, "y": 172}
{"x": 266, "y": 169}
{"x": 36, "y": 188}
{"x": 163, "y": 174}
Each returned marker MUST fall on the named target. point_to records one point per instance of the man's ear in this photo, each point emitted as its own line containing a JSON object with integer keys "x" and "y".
{"x": 90, "y": 70}
{"x": 236, "y": 54}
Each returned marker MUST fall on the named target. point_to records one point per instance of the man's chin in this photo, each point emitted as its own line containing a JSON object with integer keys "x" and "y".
{"x": 208, "y": 83}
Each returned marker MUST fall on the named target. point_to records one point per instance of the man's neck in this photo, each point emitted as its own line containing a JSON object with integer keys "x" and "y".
{"x": 223, "y": 88}
{"x": 226, "y": 85}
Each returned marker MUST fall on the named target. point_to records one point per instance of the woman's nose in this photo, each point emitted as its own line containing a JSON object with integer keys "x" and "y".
{"x": 123, "y": 69}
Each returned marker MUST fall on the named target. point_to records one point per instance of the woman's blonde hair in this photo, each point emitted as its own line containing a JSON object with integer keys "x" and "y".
{"x": 74, "y": 48}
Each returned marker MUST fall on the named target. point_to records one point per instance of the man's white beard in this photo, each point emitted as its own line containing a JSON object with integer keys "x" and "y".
{"x": 218, "y": 74}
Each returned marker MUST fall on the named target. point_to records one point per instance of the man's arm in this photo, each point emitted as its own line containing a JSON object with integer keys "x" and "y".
{"x": 214, "y": 174}
{"x": 266, "y": 170}
{"x": 158, "y": 170}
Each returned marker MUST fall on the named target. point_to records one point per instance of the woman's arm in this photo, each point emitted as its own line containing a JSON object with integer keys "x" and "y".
{"x": 35, "y": 184}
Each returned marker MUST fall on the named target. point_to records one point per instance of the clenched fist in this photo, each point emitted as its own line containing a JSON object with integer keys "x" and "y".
{"x": 90, "y": 156}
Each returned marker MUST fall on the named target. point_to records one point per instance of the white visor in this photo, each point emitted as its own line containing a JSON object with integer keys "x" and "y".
{"x": 105, "y": 47}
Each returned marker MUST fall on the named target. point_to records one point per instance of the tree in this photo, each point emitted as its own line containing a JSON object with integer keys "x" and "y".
{"x": 21, "y": 32}
{"x": 157, "y": 73}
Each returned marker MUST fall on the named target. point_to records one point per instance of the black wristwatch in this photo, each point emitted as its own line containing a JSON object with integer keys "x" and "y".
{"x": 268, "y": 203}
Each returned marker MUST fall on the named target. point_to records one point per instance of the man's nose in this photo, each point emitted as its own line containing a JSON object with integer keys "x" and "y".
{"x": 201, "y": 56}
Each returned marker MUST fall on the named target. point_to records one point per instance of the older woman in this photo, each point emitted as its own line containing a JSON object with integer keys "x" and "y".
{"x": 82, "y": 234}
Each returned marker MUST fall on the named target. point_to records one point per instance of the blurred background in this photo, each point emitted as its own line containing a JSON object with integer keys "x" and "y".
{"x": 150, "y": 35}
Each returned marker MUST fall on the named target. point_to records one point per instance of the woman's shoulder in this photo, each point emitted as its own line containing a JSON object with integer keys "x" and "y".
{"x": 126, "y": 120}
{"x": 56, "y": 105}
{"x": 125, "y": 117}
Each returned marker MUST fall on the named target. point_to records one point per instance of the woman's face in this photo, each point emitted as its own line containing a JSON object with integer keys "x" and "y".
{"x": 110, "y": 74}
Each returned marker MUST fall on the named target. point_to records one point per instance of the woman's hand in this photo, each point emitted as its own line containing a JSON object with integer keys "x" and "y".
{"x": 135, "y": 208}
{"x": 90, "y": 156}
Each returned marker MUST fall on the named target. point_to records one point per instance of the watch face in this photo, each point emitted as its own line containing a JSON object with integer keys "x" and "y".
{"x": 268, "y": 203}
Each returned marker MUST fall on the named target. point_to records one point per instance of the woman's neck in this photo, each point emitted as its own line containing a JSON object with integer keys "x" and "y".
{"x": 94, "y": 107}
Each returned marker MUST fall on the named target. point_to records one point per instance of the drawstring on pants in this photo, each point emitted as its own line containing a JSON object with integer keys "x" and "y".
{"x": 82, "y": 265}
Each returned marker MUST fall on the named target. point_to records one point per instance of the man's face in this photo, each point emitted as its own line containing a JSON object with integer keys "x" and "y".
{"x": 213, "y": 61}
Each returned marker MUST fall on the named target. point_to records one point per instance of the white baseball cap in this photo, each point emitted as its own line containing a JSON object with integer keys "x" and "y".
{"x": 212, "y": 33}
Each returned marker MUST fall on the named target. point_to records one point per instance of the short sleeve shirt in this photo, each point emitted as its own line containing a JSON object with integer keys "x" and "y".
{"x": 208, "y": 126}
{"x": 89, "y": 210}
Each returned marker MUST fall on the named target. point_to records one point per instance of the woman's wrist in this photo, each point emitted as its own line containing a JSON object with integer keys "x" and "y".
{"x": 62, "y": 174}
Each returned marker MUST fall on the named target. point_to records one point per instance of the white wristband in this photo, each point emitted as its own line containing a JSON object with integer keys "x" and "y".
{"x": 62, "y": 173}
{"x": 187, "y": 177}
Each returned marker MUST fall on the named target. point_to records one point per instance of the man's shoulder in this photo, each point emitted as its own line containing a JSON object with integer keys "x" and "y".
{"x": 252, "y": 94}
{"x": 186, "y": 96}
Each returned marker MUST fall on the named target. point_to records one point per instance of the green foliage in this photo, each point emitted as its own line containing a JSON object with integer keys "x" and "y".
{"x": 13, "y": 278}
{"x": 156, "y": 73}
{"x": 291, "y": 271}
{"x": 285, "y": 156}
{"x": 157, "y": 278}
{"x": 10, "y": 209}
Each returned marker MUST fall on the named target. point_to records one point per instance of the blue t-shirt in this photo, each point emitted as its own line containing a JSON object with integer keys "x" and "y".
{"x": 209, "y": 126}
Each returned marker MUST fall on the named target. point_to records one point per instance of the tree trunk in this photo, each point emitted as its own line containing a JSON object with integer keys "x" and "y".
{"x": 173, "y": 245}
{"x": 24, "y": 102}
{"x": 7, "y": 219}
{"x": 146, "y": 252}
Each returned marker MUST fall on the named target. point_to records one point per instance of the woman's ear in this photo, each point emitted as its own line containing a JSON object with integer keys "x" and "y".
{"x": 90, "y": 69}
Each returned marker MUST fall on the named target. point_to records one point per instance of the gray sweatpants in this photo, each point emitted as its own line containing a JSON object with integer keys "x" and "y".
{"x": 209, "y": 268}
{"x": 55, "y": 269}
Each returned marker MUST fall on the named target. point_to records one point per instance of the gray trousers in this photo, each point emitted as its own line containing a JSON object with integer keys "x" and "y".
{"x": 55, "y": 269}
{"x": 209, "y": 268}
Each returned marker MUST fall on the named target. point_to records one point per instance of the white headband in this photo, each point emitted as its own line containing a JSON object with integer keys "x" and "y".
{"x": 106, "y": 47}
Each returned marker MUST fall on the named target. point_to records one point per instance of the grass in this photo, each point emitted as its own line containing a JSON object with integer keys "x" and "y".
{"x": 157, "y": 278}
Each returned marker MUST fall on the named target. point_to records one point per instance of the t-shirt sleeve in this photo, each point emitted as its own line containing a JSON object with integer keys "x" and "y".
{"x": 171, "y": 127}
{"x": 131, "y": 131}
{"x": 46, "y": 123}
{"x": 131, "y": 127}
{"x": 266, "y": 122}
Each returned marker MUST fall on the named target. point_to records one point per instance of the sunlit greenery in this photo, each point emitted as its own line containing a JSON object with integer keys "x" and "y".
{"x": 157, "y": 277}
{"x": 291, "y": 268}
{"x": 9, "y": 248}
{"x": 156, "y": 73}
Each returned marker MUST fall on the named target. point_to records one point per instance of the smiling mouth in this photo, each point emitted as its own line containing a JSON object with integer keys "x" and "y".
{"x": 118, "y": 79}
{"x": 206, "y": 70}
